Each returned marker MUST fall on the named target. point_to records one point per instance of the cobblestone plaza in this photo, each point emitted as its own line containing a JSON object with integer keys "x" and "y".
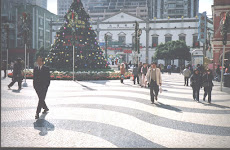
{"x": 108, "y": 114}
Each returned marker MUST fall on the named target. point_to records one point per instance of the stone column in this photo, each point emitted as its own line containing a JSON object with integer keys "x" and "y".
{"x": 98, "y": 30}
{"x": 147, "y": 41}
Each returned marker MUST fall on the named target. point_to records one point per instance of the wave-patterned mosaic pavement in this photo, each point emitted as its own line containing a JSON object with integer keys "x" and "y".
{"x": 110, "y": 114}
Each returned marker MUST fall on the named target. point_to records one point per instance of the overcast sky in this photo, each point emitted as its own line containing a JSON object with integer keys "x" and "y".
{"x": 205, "y": 5}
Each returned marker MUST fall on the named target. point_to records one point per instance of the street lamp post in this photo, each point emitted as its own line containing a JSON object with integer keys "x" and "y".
{"x": 25, "y": 32}
{"x": 106, "y": 46}
{"x": 136, "y": 40}
{"x": 138, "y": 33}
{"x": 25, "y": 84}
{"x": 6, "y": 26}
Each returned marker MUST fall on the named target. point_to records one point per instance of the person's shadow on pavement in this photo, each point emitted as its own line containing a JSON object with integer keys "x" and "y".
{"x": 44, "y": 126}
{"x": 16, "y": 91}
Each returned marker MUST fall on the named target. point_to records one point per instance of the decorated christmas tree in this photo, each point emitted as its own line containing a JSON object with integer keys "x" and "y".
{"x": 76, "y": 31}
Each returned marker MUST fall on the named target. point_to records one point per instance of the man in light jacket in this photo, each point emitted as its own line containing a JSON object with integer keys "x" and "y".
{"x": 155, "y": 80}
{"x": 187, "y": 74}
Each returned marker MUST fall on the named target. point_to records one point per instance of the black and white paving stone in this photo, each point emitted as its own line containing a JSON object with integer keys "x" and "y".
{"x": 107, "y": 114}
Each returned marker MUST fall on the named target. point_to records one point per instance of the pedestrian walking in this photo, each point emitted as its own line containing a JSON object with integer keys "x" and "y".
{"x": 155, "y": 80}
{"x": 126, "y": 67}
{"x": 144, "y": 71}
{"x": 207, "y": 84}
{"x": 196, "y": 83}
{"x": 169, "y": 68}
{"x": 135, "y": 74}
{"x": 11, "y": 66}
{"x": 122, "y": 70}
{"x": 182, "y": 69}
{"x": 17, "y": 74}
{"x": 139, "y": 73}
{"x": 41, "y": 82}
{"x": 187, "y": 74}
{"x": 218, "y": 73}
{"x": 162, "y": 68}
{"x": 4, "y": 67}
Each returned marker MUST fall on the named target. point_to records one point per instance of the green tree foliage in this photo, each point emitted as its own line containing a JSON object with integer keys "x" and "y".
{"x": 173, "y": 50}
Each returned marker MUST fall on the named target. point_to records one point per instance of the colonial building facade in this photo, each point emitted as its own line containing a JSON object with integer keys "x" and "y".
{"x": 219, "y": 9}
{"x": 121, "y": 29}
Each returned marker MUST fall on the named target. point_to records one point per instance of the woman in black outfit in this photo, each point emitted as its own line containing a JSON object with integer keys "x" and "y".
{"x": 207, "y": 84}
{"x": 196, "y": 83}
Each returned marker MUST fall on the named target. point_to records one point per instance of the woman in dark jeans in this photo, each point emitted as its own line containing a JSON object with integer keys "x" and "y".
{"x": 196, "y": 83}
{"x": 207, "y": 84}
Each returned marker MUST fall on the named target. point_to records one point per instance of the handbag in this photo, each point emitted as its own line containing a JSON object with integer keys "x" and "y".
{"x": 131, "y": 78}
{"x": 161, "y": 90}
{"x": 122, "y": 76}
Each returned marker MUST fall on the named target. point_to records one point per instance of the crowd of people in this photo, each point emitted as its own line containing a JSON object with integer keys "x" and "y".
{"x": 147, "y": 75}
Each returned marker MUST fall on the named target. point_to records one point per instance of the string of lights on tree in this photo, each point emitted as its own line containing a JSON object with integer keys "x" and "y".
{"x": 78, "y": 31}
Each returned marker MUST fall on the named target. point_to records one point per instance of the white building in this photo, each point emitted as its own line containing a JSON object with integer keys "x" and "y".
{"x": 121, "y": 27}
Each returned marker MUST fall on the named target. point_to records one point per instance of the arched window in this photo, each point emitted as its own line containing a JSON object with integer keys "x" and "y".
{"x": 155, "y": 40}
{"x": 196, "y": 43}
{"x": 168, "y": 37}
{"x": 182, "y": 37}
{"x": 110, "y": 36}
{"x": 122, "y": 38}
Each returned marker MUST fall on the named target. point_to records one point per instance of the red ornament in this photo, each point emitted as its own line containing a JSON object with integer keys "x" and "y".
{"x": 72, "y": 15}
{"x": 24, "y": 16}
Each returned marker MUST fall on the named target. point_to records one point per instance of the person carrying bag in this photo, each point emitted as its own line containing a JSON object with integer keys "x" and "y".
{"x": 155, "y": 80}
{"x": 207, "y": 84}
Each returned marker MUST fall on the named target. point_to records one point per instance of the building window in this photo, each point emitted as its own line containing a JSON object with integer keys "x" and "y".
{"x": 40, "y": 44}
{"x": 122, "y": 39}
{"x": 182, "y": 38}
{"x": 154, "y": 41}
{"x": 172, "y": 5}
{"x": 41, "y": 21}
{"x": 110, "y": 38}
{"x": 195, "y": 42}
{"x": 40, "y": 33}
{"x": 168, "y": 38}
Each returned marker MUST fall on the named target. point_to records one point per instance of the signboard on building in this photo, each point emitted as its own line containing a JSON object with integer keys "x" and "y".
{"x": 202, "y": 28}
{"x": 197, "y": 60}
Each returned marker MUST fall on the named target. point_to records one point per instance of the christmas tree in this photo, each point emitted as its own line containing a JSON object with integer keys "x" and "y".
{"x": 76, "y": 31}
